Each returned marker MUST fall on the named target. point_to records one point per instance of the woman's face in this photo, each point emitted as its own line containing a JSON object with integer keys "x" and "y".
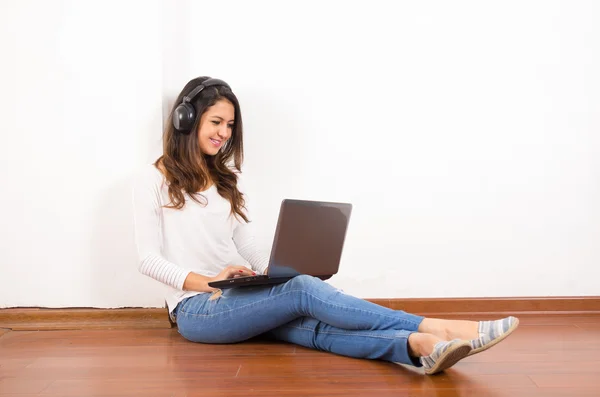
{"x": 216, "y": 127}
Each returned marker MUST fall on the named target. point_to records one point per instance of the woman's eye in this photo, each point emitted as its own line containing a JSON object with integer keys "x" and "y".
{"x": 230, "y": 126}
{"x": 215, "y": 122}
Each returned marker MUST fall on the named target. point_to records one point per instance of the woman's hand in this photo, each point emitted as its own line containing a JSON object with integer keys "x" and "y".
{"x": 198, "y": 282}
{"x": 233, "y": 272}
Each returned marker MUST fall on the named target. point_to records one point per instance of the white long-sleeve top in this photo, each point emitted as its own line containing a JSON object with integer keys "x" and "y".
{"x": 199, "y": 238}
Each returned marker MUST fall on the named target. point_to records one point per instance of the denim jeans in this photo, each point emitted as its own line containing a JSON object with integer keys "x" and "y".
{"x": 305, "y": 311}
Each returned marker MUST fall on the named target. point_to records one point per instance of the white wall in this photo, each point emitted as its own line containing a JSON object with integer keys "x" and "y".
{"x": 464, "y": 133}
{"x": 80, "y": 103}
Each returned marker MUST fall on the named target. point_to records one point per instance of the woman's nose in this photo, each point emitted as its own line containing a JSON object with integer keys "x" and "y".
{"x": 223, "y": 132}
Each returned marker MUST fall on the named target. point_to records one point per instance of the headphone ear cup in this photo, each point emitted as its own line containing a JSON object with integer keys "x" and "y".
{"x": 184, "y": 117}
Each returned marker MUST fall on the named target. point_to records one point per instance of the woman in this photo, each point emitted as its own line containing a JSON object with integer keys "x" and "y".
{"x": 192, "y": 227}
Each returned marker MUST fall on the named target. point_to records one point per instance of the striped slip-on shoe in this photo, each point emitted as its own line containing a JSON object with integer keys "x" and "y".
{"x": 493, "y": 332}
{"x": 445, "y": 355}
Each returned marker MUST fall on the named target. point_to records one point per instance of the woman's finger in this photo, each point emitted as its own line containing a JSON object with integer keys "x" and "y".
{"x": 236, "y": 271}
{"x": 245, "y": 270}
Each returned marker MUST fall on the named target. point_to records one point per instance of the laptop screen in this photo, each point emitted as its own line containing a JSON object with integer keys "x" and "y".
{"x": 309, "y": 238}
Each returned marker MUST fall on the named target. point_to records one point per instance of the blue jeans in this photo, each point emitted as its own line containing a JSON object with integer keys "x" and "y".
{"x": 305, "y": 311}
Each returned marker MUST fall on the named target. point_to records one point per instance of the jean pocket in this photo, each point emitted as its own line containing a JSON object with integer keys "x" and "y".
{"x": 195, "y": 305}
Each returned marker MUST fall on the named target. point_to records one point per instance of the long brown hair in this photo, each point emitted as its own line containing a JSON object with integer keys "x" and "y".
{"x": 187, "y": 169}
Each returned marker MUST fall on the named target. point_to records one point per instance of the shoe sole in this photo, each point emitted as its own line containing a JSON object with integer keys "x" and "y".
{"x": 450, "y": 357}
{"x": 497, "y": 340}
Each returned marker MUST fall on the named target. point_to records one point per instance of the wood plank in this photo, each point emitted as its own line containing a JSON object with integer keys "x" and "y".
{"x": 588, "y": 325}
{"x": 128, "y": 373}
{"x": 19, "y": 395}
{"x": 20, "y": 319}
{"x": 572, "y": 391}
{"x": 17, "y": 386}
{"x": 300, "y": 383}
{"x": 310, "y": 365}
{"x": 128, "y": 342}
{"x": 114, "y": 337}
{"x": 549, "y": 365}
{"x": 12, "y": 363}
{"x": 214, "y": 352}
{"x": 557, "y": 380}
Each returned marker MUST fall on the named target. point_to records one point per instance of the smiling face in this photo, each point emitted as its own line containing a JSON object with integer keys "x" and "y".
{"x": 216, "y": 127}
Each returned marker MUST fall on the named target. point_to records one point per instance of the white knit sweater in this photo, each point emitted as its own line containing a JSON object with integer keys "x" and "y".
{"x": 202, "y": 239}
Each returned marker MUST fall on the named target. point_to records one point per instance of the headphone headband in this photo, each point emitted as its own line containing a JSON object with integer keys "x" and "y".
{"x": 208, "y": 83}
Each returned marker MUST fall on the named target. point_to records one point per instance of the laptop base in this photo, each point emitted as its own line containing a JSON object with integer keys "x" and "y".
{"x": 248, "y": 281}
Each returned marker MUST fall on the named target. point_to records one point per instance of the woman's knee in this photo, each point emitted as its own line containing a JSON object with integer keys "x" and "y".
{"x": 303, "y": 281}
{"x": 200, "y": 333}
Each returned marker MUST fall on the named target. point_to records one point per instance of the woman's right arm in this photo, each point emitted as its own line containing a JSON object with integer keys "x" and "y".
{"x": 197, "y": 282}
{"x": 147, "y": 214}
{"x": 147, "y": 224}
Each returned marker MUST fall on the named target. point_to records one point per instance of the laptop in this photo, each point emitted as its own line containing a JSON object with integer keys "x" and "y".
{"x": 309, "y": 239}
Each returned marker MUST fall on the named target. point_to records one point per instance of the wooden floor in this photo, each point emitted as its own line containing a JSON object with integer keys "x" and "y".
{"x": 547, "y": 356}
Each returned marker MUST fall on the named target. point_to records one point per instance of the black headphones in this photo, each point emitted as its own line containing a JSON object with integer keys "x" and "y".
{"x": 184, "y": 115}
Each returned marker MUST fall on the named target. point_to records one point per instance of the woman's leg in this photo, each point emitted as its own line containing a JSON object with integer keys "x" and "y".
{"x": 413, "y": 348}
{"x": 241, "y": 313}
{"x": 388, "y": 345}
